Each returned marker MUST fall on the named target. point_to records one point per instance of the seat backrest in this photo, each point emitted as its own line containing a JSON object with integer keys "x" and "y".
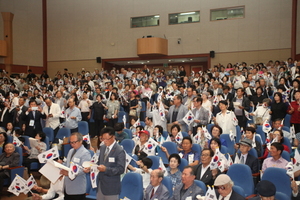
{"x": 120, "y": 116}
{"x": 47, "y": 142}
{"x": 19, "y": 150}
{"x": 128, "y": 145}
{"x": 281, "y": 180}
{"x": 208, "y": 127}
{"x": 224, "y": 149}
{"x": 239, "y": 190}
{"x": 132, "y": 186}
{"x": 201, "y": 185}
{"x": 281, "y": 196}
{"x": 241, "y": 175}
{"x": 171, "y": 147}
{"x": 261, "y": 133}
{"x": 197, "y": 148}
{"x": 83, "y": 127}
{"x": 49, "y": 133}
{"x": 129, "y": 132}
{"x": 63, "y": 132}
{"x": 132, "y": 162}
{"x": 184, "y": 134}
{"x": 238, "y": 134}
{"x": 183, "y": 163}
{"x": 230, "y": 144}
{"x": 287, "y": 120}
{"x": 165, "y": 134}
{"x": 168, "y": 183}
{"x": 26, "y": 141}
{"x": 10, "y": 139}
{"x": 287, "y": 142}
{"x": 284, "y": 155}
{"x": 155, "y": 161}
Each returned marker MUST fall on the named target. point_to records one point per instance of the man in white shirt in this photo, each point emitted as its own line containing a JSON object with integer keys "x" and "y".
{"x": 55, "y": 188}
{"x": 52, "y": 112}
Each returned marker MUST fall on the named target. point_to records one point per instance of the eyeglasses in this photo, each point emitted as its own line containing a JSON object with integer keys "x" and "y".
{"x": 107, "y": 138}
{"x": 205, "y": 155}
{"x": 74, "y": 142}
{"x": 220, "y": 187}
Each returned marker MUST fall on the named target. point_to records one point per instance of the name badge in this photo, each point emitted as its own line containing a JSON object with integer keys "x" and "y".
{"x": 31, "y": 122}
{"x": 111, "y": 159}
{"x": 76, "y": 160}
{"x": 188, "y": 198}
{"x": 191, "y": 158}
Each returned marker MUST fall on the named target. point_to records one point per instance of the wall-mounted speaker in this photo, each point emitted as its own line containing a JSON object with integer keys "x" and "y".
{"x": 212, "y": 54}
{"x": 98, "y": 59}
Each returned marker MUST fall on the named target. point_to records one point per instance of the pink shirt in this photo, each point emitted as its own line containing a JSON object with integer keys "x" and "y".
{"x": 270, "y": 162}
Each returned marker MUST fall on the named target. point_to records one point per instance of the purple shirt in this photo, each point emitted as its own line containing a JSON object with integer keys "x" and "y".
{"x": 270, "y": 162}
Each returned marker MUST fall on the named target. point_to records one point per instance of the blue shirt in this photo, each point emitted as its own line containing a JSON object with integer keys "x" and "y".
{"x": 187, "y": 157}
{"x": 175, "y": 178}
{"x": 72, "y": 123}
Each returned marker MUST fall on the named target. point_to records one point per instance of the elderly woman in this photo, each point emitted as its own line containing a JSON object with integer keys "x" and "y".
{"x": 7, "y": 159}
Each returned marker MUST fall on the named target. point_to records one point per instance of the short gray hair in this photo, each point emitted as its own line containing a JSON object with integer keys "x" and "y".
{"x": 79, "y": 136}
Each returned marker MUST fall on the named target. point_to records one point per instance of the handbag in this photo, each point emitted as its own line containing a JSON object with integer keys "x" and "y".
{"x": 132, "y": 112}
{"x": 259, "y": 120}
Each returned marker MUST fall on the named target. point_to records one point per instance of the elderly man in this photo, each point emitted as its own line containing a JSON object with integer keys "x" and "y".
{"x": 156, "y": 190}
{"x": 265, "y": 190}
{"x": 73, "y": 116}
{"x": 201, "y": 115}
{"x": 176, "y": 114}
{"x": 111, "y": 164}
{"x": 275, "y": 160}
{"x": 188, "y": 189}
{"x": 223, "y": 184}
{"x": 203, "y": 171}
{"x": 52, "y": 112}
{"x": 245, "y": 157}
{"x": 75, "y": 189}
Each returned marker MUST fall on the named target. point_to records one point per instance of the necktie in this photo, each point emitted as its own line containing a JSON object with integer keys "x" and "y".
{"x": 223, "y": 198}
{"x": 242, "y": 160}
{"x": 49, "y": 110}
{"x": 73, "y": 154}
{"x": 152, "y": 193}
{"x": 33, "y": 113}
{"x": 106, "y": 153}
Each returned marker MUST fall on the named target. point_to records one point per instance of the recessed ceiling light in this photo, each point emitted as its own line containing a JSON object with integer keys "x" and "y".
{"x": 128, "y": 62}
{"x": 183, "y": 61}
{"x": 148, "y": 61}
{"x": 170, "y": 60}
{"x": 142, "y": 63}
{"x": 191, "y": 59}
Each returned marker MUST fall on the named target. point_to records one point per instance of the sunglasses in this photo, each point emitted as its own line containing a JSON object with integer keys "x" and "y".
{"x": 220, "y": 187}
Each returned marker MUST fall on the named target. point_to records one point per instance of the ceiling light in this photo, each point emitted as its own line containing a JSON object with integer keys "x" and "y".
{"x": 142, "y": 63}
{"x": 191, "y": 59}
{"x": 183, "y": 61}
{"x": 187, "y": 13}
{"x": 170, "y": 60}
{"x": 148, "y": 61}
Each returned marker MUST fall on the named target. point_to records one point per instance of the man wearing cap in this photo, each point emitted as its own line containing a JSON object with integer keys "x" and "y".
{"x": 265, "y": 190}
{"x": 140, "y": 145}
{"x": 223, "y": 184}
{"x": 245, "y": 157}
{"x": 188, "y": 188}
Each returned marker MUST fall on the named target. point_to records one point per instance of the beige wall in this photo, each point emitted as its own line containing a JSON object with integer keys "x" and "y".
{"x": 298, "y": 29}
{"x": 27, "y": 30}
{"x": 72, "y": 66}
{"x": 251, "y": 57}
{"x": 84, "y": 30}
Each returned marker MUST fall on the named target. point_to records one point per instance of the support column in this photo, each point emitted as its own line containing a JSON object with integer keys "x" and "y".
{"x": 294, "y": 29}
{"x": 45, "y": 57}
{"x": 8, "y": 37}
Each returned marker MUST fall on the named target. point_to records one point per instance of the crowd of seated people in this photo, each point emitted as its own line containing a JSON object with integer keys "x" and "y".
{"x": 230, "y": 103}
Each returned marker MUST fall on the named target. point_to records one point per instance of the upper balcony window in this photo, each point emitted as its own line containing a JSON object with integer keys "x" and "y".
{"x": 145, "y": 21}
{"x": 227, "y": 13}
{"x": 185, "y": 17}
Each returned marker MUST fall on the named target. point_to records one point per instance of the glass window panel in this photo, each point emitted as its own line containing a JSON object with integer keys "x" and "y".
{"x": 227, "y": 13}
{"x": 185, "y": 17}
{"x": 145, "y": 21}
